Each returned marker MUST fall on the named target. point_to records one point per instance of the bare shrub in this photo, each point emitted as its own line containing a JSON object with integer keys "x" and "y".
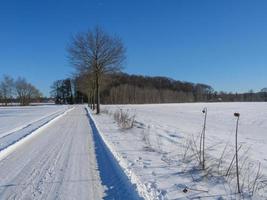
{"x": 252, "y": 180}
{"x": 186, "y": 148}
{"x": 252, "y": 177}
{"x": 220, "y": 161}
{"x": 191, "y": 150}
{"x": 256, "y": 180}
{"x": 124, "y": 119}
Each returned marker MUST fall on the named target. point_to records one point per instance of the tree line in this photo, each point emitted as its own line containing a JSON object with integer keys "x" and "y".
{"x": 122, "y": 88}
{"x": 98, "y": 57}
{"x": 18, "y": 91}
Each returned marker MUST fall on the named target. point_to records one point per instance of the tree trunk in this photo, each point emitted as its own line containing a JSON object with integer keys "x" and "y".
{"x": 93, "y": 102}
{"x": 89, "y": 100}
{"x": 97, "y": 94}
{"x": 93, "y": 99}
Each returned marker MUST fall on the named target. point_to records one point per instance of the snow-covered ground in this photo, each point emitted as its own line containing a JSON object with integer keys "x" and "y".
{"x": 161, "y": 150}
{"x": 17, "y": 122}
{"x": 56, "y": 152}
{"x": 58, "y": 163}
{"x": 69, "y": 160}
{"x": 13, "y": 118}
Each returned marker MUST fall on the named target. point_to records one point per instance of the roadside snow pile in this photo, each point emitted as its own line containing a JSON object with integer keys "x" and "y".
{"x": 161, "y": 149}
{"x": 18, "y": 122}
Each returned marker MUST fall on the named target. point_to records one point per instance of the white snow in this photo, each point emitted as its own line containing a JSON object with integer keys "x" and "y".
{"x": 20, "y": 141}
{"x": 45, "y": 153}
{"x": 18, "y": 122}
{"x": 14, "y": 118}
{"x": 58, "y": 163}
{"x": 156, "y": 156}
{"x": 59, "y": 156}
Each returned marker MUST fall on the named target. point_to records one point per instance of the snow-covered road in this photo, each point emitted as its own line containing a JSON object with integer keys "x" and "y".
{"x": 59, "y": 163}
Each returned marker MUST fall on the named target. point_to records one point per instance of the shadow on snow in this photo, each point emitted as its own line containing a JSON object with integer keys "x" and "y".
{"x": 118, "y": 186}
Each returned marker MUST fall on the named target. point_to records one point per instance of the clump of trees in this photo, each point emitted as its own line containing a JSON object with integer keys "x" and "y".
{"x": 249, "y": 96}
{"x": 26, "y": 92}
{"x": 130, "y": 89}
{"x": 62, "y": 91}
{"x": 6, "y": 89}
{"x": 17, "y": 91}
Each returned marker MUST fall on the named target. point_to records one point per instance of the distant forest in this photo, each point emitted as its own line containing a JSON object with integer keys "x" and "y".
{"x": 122, "y": 88}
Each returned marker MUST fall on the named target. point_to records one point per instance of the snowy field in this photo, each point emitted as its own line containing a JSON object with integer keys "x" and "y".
{"x": 17, "y": 122}
{"x": 160, "y": 152}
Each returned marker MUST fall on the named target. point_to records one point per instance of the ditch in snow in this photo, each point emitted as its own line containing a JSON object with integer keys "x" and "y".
{"x": 118, "y": 186}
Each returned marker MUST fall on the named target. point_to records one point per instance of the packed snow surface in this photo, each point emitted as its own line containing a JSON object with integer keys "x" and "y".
{"x": 161, "y": 149}
{"x": 58, "y": 163}
{"x": 56, "y": 152}
{"x": 18, "y": 122}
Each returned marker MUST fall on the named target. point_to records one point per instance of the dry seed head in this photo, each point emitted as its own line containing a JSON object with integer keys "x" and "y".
{"x": 185, "y": 190}
{"x": 237, "y": 114}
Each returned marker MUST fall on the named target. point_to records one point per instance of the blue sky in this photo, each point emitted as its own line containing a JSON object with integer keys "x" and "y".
{"x": 221, "y": 43}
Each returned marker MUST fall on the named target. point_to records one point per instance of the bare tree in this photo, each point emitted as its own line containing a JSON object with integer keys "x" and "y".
{"x": 98, "y": 53}
{"x": 25, "y": 91}
{"x": 6, "y": 89}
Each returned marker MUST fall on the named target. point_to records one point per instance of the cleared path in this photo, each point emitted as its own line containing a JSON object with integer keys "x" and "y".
{"x": 60, "y": 163}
